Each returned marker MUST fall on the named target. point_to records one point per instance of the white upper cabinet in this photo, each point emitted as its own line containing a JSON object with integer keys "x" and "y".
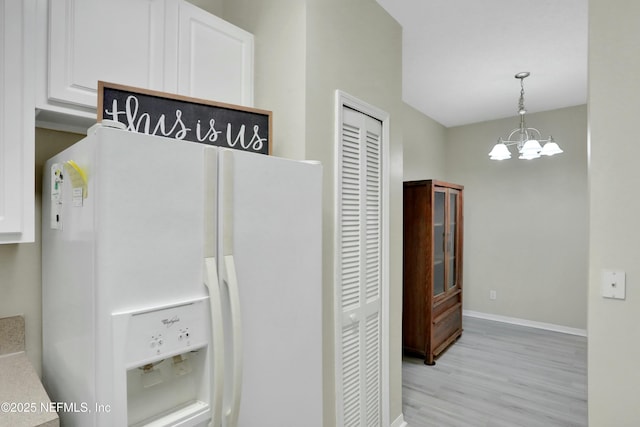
{"x": 215, "y": 58}
{"x": 115, "y": 41}
{"x": 17, "y": 190}
{"x": 166, "y": 45}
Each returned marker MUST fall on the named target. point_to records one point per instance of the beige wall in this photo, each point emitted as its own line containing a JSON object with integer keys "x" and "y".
{"x": 20, "y": 264}
{"x": 614, "y": 108}
{"x": 544, "y": 262}
{"x": 279, "y": 28}
{"x": 424, "y": 146}
{"x": 310, "y": 49}
{"x": 525, "y": 221}
{"x": 356, "y": 47}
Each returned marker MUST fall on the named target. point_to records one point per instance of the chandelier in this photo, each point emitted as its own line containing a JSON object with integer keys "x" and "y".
{"x": 527, "y": 140}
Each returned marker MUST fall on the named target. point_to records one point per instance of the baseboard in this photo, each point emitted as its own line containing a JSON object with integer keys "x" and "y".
{"x": 525, "y": 322}
{"x": 399, "y": 422}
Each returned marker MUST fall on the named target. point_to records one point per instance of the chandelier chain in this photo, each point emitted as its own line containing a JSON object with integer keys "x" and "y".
{"x": 521, "y": 109}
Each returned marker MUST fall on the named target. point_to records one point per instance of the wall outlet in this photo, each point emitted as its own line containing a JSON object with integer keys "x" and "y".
{"x": 613, "y": 284}
{"x": 492, "y": 295}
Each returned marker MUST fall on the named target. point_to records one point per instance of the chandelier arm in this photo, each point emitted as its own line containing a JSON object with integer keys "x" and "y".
{"x": 535, "y": 130}
{"x": 528, "y": 131}
{"x": 513, "y": 132}
{"x": 510, "y": 143}
{"x": 539, "y": 138}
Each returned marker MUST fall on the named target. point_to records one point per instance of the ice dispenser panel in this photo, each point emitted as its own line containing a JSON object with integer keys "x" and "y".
{"x": 163, "y": 364}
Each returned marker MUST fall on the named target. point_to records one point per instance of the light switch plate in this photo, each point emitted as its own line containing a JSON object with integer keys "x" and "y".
{"x": 613, "y": 284}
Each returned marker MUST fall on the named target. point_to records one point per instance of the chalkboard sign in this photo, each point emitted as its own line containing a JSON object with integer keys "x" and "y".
{"x": 181, "y": 117}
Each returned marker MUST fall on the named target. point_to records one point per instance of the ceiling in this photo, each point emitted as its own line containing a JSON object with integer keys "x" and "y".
{"x": 460, "y": 56}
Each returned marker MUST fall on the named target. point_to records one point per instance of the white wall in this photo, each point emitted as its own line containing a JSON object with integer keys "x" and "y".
{"x": 614, "y": 108}
{"x": 424, "y": 146}
{"x": 305, "y": 51}
{"x": 525, "y": 221}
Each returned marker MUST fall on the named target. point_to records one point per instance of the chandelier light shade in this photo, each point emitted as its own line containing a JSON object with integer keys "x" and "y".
{"x": 527, "y": 140}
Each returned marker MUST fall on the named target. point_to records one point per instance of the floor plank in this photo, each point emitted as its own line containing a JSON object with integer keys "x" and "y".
{"x": 500, "y": 375}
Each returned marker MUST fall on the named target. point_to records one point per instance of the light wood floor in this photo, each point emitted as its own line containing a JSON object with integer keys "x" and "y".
{"x": 500, "y": 375}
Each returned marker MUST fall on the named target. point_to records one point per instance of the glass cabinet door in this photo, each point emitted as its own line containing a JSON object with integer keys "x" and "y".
{"x": 452, "y": 238}
{"x": 439, "y": 242}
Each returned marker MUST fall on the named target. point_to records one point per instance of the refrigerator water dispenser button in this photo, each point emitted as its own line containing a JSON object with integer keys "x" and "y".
{"x": 183, "y": 333}
{"x": 156, "y": 342}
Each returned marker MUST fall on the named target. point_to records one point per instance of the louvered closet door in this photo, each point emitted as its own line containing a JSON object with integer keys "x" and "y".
{"x": 359, "y": 263}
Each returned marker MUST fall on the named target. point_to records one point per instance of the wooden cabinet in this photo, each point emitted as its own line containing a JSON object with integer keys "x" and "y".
{"x": 166, "y": 45}
{"x": 17, "y": 191}
{"x": 432, "y": 273}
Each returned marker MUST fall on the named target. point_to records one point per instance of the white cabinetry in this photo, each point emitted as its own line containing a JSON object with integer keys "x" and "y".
{"x": 167, "y": 45}
{"x": 215, "y": 58}
{"x": 17, "y": 191}
{"x": 116, "y": 40}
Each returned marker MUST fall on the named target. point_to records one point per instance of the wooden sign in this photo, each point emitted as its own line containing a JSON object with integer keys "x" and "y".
{"x": 181, "y": 117}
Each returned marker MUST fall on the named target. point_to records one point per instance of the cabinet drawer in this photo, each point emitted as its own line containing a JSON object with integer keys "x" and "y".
{"x": 446, "y": 328}
{"x": 443, "y": 305}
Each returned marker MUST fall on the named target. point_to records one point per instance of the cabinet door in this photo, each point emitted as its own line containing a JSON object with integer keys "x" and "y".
{"x": 119, "y": 41}
{"x": 439, "y": 240}
{"x": 17, "y": 191}
{"x": 453, "y": 238}
{"x": 215, "y": 58}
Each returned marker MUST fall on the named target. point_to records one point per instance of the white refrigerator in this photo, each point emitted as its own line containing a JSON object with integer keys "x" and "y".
{"x": 181, "y": 285}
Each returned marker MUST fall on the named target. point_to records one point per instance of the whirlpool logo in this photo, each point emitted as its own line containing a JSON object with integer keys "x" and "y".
{"x": 169, "y": 322}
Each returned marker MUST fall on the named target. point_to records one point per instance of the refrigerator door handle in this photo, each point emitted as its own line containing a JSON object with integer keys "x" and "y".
{"x": 217, "y": 341}
{"x": 231, "y": 414}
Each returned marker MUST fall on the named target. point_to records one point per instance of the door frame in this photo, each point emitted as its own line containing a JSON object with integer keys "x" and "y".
{"x": 343, "y": 99}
